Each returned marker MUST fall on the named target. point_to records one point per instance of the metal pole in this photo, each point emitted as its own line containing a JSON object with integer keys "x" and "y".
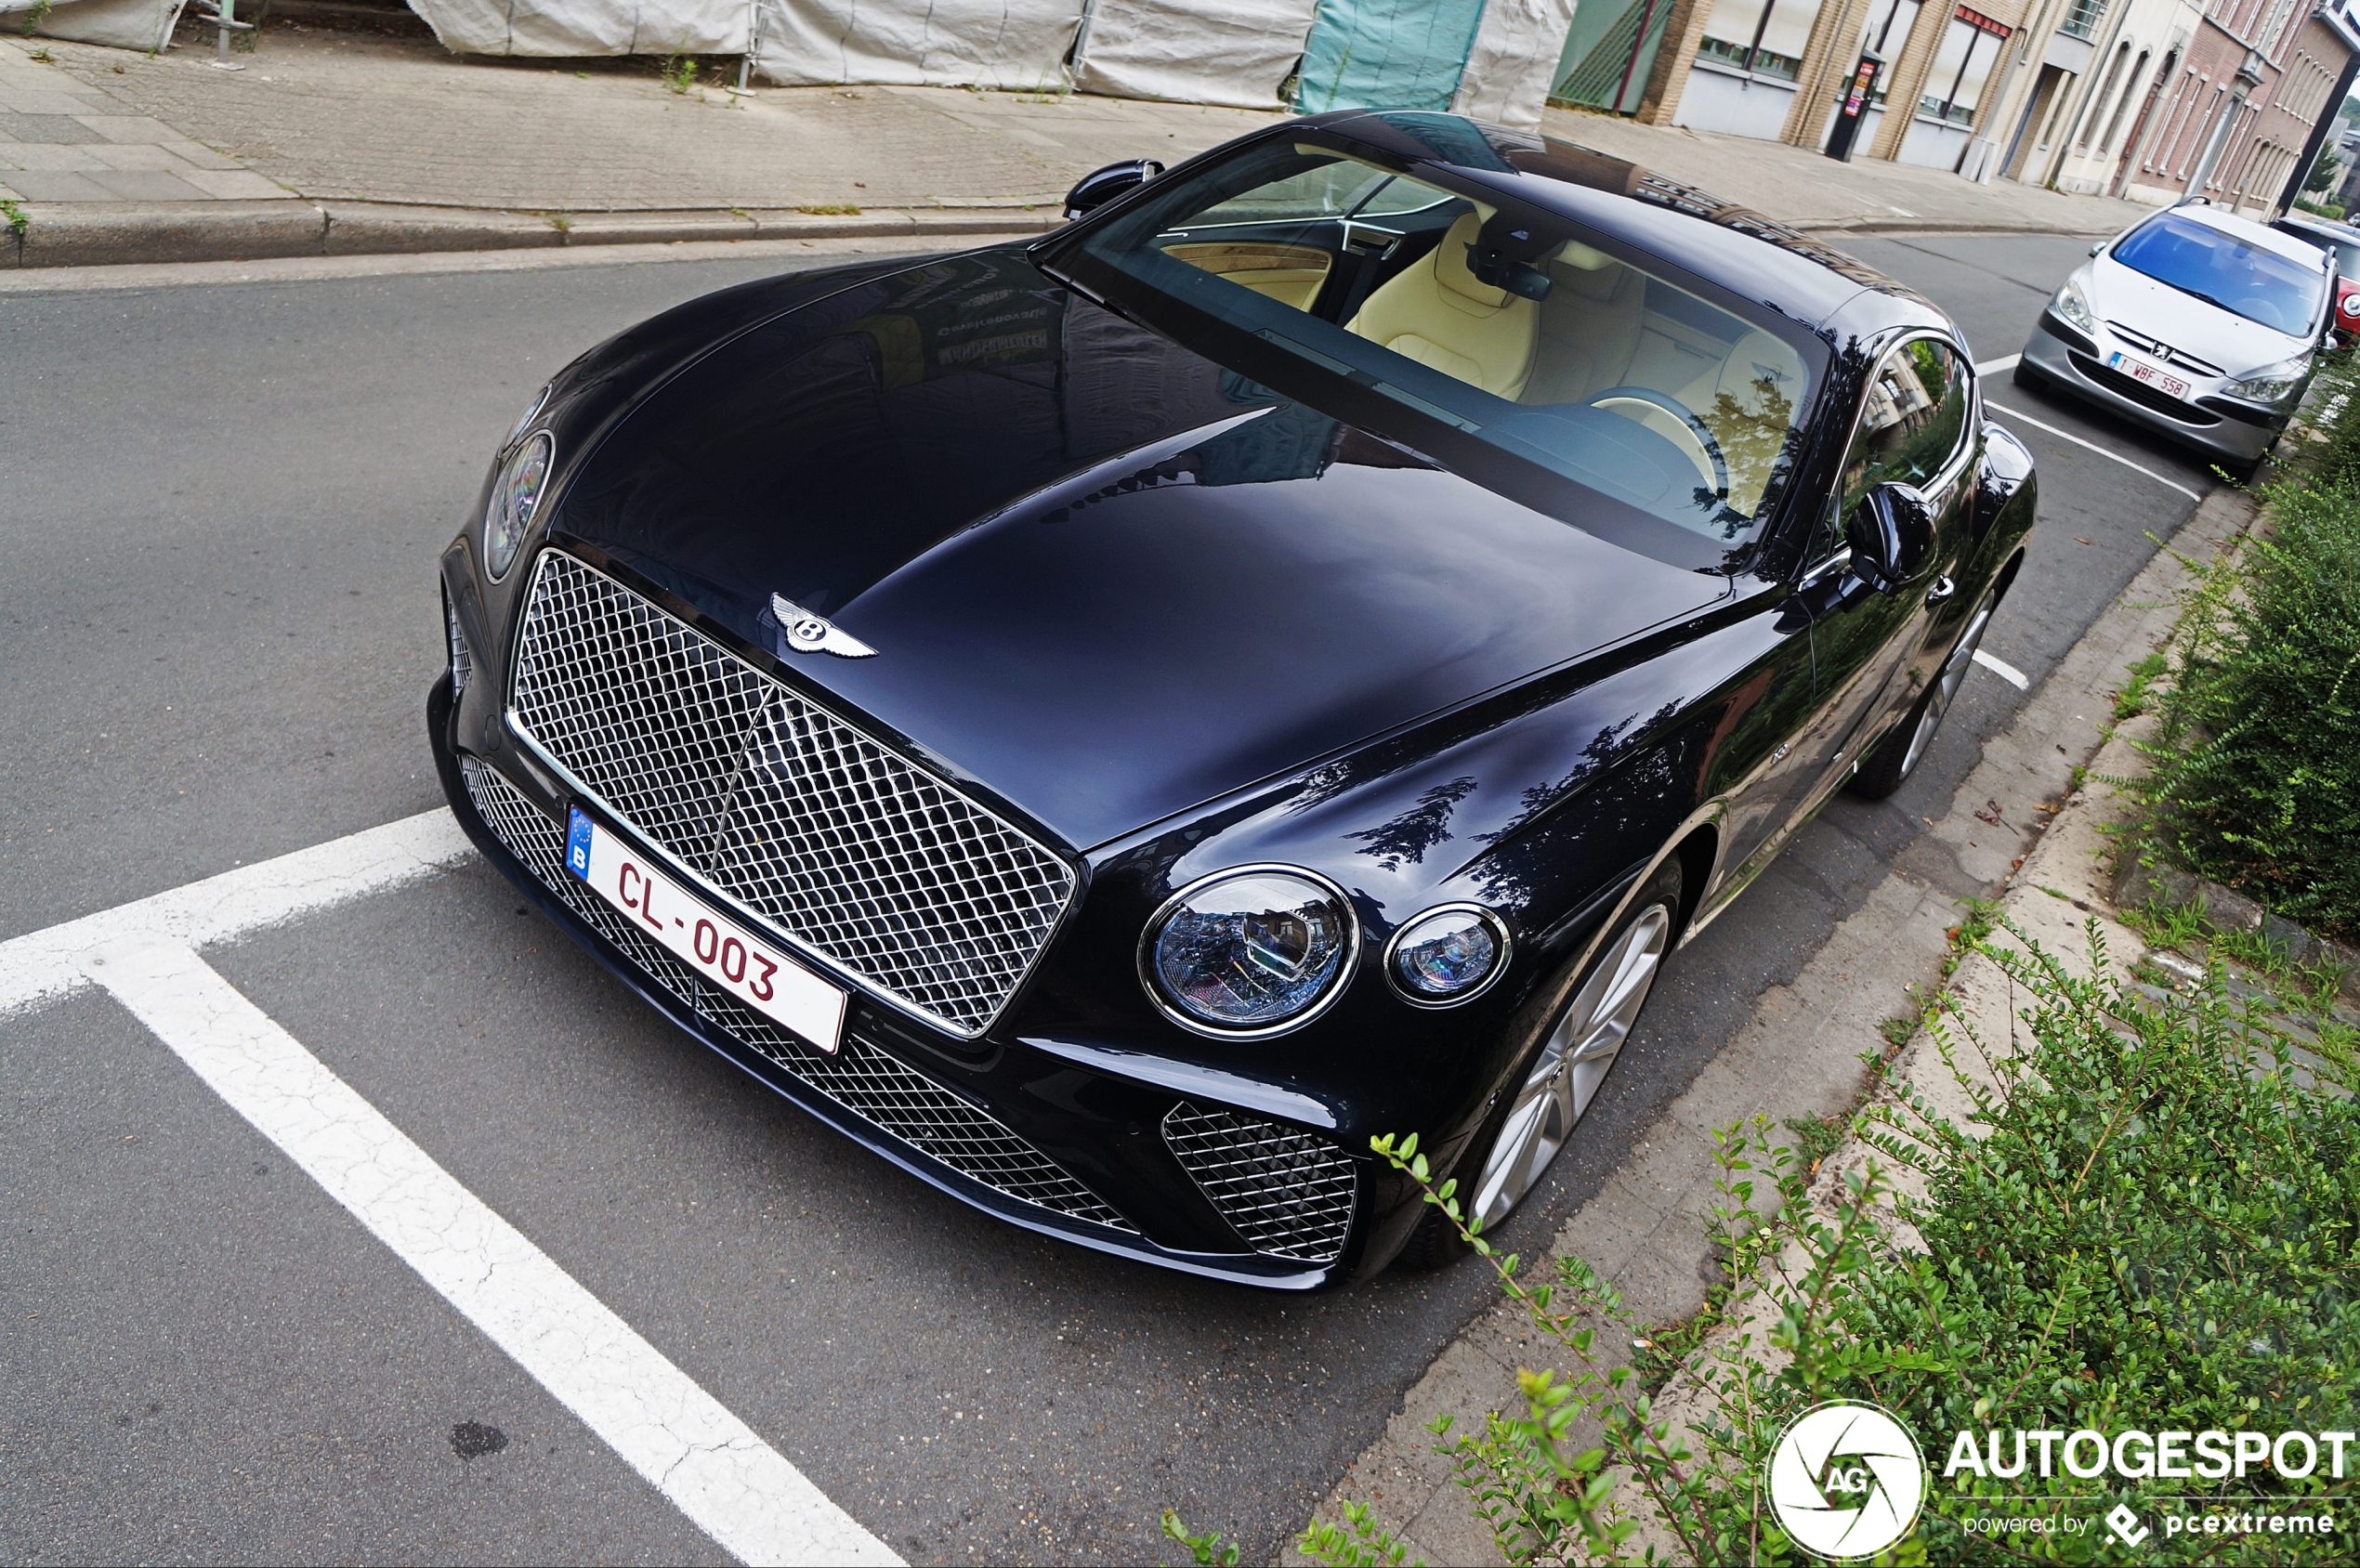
{"x": 1622, "y": 90}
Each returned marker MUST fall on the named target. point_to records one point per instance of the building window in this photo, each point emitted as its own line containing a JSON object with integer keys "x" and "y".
{"x": 2082, "y": 20}
{"x": 1763, "y": 36}
{"x": 1962, "y": 63}
{"x": 2122, "y": 104}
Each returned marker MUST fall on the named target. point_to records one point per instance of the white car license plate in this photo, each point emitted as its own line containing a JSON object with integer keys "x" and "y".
{"x": 2139, "y": 370}
{"x": 753, "y": 971}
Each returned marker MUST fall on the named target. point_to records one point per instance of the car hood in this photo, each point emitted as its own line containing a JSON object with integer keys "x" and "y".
{"x": 1105, "y": 579}
{"x": 2159, "y": 312}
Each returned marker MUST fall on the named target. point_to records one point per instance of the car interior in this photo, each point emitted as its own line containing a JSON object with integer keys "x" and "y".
{"x": 1547, "y": 323}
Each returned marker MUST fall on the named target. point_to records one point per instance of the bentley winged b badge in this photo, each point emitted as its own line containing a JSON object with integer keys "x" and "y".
{"x": 807, "y": 632}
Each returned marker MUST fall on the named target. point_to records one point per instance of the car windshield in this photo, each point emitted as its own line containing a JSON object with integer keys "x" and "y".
{"x": 2222, "y": 269}
{"x": 1491, "y": 336}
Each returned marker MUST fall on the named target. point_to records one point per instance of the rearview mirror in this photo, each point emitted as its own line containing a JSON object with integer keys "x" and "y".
{"x": 1892, "y": 534}
{"x": 1101, "y": 185}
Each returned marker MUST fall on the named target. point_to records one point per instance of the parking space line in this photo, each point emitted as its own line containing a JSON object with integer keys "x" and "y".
{"x": 1993, "y": 367}
{"x": 711, "y": 1465}
{"x": 2069, "y": 435}
{"x": 2002, "y": 668}
{"x": 44, "y": 965}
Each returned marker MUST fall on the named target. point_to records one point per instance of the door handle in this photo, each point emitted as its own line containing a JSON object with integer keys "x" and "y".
{"x": 1943, "y": 588}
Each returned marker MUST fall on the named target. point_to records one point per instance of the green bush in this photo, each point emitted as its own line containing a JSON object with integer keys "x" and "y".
{"x": 2152, "y": 1222}
{"x": 2256, "y": 765}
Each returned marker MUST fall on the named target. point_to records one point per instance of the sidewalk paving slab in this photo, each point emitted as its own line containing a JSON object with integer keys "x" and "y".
{"x": 511, "y": 150}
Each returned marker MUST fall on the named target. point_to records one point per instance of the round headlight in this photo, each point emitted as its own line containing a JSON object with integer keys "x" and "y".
{"x": 1447, "y": 955}
{"x": 515, "y": 494}
{"x": 1250, "y": 951}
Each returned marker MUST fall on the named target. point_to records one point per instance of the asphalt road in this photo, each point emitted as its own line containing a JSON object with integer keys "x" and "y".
{"x": 220, "y": 508}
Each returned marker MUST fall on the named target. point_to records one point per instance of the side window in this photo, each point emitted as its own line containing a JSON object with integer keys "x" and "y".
{"x": 1915, "y": 418}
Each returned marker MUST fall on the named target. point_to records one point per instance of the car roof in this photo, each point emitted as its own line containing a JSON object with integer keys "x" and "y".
{"x": 2245, "y": 228}
{"x": 1723, "y": 242}
{"x": 2328, "y": 229}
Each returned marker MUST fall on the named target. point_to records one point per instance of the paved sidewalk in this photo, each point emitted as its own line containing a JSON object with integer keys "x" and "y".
{"x": 1815, "y": 192}
{"x": 343, "y": 142}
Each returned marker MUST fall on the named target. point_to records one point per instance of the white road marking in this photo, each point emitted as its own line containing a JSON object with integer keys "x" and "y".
{"x": 2002, "y": 668}
{"x": 712, "y": 1466}
{"x": 1993, "y": 367}
{"x": 44, "y": 965}
{"x": 2069, "y": 435}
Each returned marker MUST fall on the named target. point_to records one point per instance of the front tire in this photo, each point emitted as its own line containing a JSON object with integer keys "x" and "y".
{"x": 1898, "y": 754}
{"x": 1534, "y": 1114}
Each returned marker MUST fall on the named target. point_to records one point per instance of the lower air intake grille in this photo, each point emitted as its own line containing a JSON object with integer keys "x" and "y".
{"x": 463, "y": 662}
{"x": 1288, "y": 1193}
{"x": 860, "y": 1078}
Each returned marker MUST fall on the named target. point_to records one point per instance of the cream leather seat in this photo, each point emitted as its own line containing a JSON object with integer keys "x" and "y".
{"x": 1590, "y": 326}
{"x": 1439, "y": 315}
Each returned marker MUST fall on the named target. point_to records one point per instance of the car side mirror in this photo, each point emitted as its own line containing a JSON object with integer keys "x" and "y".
{"x": 2096, "y": 248}
{"x": 1101, "y": 185}
{"x": 1891, "y": 533}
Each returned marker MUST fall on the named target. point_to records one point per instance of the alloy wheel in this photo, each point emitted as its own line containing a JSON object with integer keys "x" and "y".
{"x": 1946, "y": 685}
{"x": 1572, "y": 1062}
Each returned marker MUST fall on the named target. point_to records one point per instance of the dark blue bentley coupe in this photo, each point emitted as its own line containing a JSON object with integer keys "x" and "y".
{"x": 1112, "y": 722}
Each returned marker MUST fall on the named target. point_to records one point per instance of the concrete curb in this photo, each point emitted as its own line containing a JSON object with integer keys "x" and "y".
{"x": 114, "y": 234}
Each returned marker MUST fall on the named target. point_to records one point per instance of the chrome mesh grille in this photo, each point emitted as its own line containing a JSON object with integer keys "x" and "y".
{"x": 860, "y": 1078}
{"x": 1288, "y": 1193}
{"x": 836, "y": 842}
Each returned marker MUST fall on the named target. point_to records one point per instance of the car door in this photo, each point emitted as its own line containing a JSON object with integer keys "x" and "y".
{"x": 1873, "y": 652}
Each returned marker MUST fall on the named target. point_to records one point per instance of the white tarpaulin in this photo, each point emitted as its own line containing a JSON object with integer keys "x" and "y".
{"x": 145, "y": 25}
{"x": 1509, "y": 70}
{"x": 564, "y": 28}
{"x": 1013, "y": 44}
{"x": 1236, "y": 52}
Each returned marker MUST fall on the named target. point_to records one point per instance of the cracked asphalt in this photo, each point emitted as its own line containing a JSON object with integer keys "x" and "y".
{"x": 222, "y": 506}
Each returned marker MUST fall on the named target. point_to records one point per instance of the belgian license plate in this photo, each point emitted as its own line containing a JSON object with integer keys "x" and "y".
{"x": 2139, "y": 370}
{"x": 752, "y": 970}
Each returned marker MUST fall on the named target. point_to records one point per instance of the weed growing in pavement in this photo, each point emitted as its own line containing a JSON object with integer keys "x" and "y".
{"x": 830, "y": 209}
{"x": 34, "y": 16}
{"x": 2309, "y": 988}
{"x": 18, "y": 220}
{"x": 2143, "y": 1220}
{"x": 678, "y": 71}
{"x": 1897, "y": 1031}
{"x": 2131, "y": 701}
{"x": 40, "y": 57}
{"x": 1974, "y": 924}
{"x": 1208, "y": 1550}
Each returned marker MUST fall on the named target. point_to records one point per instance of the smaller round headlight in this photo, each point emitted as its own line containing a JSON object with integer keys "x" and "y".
{"x": 515, "y": 494}
{"x": 1447, "y": 955}
{"x": 1249, "y": 951}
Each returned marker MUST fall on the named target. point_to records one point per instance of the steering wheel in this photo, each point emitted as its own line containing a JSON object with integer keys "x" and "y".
{"x": 1706, "y": 453}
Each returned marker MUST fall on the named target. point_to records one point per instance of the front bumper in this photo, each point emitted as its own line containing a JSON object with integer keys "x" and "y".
{"x": 1023, "y": 1132}
{"x": 2223, "y": 426}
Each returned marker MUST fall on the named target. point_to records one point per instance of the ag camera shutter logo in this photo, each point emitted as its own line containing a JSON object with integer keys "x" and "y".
{"x": 1846, "y": 1479}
